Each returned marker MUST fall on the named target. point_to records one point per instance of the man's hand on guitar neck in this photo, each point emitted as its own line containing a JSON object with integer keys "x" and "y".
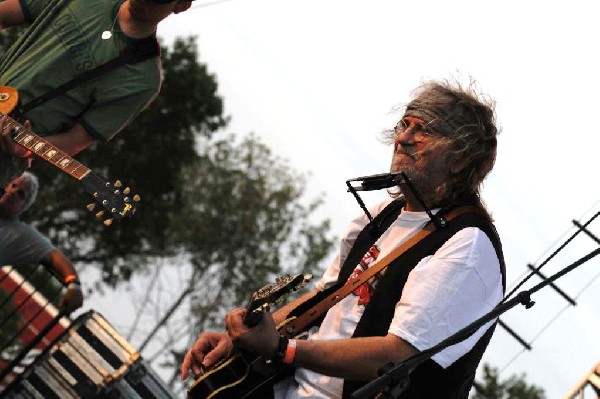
{"x": 262, "y": 339}
{"x": 72, "y": 141}
{"x": 7, "y": 144}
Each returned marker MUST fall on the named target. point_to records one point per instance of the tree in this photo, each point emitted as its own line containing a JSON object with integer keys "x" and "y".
{"x": 149, "y": 156}
{"x": 219, "y": 208}
{"x": 244, "y": 225}
{"x": 515, "y": 387}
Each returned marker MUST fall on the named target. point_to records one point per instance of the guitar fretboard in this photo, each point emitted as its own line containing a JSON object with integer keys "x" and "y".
{"x": 45, "y": 150}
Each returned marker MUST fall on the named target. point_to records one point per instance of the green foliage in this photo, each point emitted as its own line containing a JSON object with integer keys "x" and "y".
{"x": 515, "y": 387}
{"x": 148, "y": 156}
{"x": 252, "y": 226}
{"x": 232, "y": 207}
{"x": 221, "y": 206}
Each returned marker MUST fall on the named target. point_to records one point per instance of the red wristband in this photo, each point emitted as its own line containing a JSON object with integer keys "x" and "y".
{"x": 70, "y": 278}
{"x": 290, "y": 352}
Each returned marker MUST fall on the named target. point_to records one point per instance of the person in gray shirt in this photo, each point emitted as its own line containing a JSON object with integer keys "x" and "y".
{"x": 22, "y": 244}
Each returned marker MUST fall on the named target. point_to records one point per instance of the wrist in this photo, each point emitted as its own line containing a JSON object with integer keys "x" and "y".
{"x": 71, "y": 281}
{"x": 281, "y": 348}
{"x": 286, "y": 350}
{"x": 290, "y": 352}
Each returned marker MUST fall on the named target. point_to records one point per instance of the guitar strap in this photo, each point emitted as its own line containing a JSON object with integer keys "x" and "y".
{"x": 300, "y": 323}
{"x": 134, "y": 52}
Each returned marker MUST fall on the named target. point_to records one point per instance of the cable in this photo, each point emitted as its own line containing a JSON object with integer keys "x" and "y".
{"x": 511, "y": 361}
{"x": 522, "y": 280}
{"x": 535, "y": 337}
{"x": 585, "y": 287}
{"x": 548, "y": 259}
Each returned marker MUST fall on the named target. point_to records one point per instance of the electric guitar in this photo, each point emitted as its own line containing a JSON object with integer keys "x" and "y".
{"x": 241, "y": 373}
{"x": 111, "y": 199}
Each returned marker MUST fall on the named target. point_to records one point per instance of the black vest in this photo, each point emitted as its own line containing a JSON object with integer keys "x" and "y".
{"x": 428, "y": 380}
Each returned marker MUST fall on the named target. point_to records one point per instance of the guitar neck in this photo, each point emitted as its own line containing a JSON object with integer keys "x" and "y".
{"x": 43, "y": 149}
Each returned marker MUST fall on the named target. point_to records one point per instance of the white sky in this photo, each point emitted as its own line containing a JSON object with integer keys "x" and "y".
{"x": 316, "y": 79}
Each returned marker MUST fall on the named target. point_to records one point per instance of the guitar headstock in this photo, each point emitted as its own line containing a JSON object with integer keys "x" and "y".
{"x": 113, "y": 201}
{"x": 271, "y": 294}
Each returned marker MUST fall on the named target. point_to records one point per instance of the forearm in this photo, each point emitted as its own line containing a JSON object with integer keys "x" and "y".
{"x": 352, "y": 358}
{"x": 73, "y": 298}
{"x": 72, "y": 141}
{"x": 59, "y": 264}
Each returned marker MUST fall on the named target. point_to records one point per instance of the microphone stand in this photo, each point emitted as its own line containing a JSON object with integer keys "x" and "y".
{"x": 394, "y": 379}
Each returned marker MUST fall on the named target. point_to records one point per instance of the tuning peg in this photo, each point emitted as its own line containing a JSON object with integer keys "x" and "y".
{"x": 137, "y": 198}
{"x": 100, "y": 214}
{"x": 108, "y": 222}
{"x": 126, "y": 190}
{"x": 118, "y": 183}
{"x": 90, "y": 207}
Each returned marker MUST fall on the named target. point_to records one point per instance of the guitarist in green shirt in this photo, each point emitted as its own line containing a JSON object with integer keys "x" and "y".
{"x": 65, "y": 39}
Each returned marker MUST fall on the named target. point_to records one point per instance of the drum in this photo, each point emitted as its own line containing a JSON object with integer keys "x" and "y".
{"x": 88, "y": 357}
{"x": 139, "y": 382}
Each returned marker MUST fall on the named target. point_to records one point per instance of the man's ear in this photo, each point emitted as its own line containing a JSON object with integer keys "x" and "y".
{"x": 182, "y": 6}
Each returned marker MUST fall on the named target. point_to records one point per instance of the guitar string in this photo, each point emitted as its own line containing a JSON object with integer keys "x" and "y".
{"x": 20, "y": 129}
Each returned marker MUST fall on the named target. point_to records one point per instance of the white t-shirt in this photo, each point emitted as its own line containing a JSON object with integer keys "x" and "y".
{"x": 445, "y": 292}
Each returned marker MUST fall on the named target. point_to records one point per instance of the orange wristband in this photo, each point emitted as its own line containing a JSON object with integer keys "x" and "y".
{"x": 290, "y": 352}
{"x": 69, "y": 278}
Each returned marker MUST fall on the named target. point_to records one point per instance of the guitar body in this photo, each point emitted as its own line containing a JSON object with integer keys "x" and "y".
{"x": 9, "y": 98}
{"x": 241, "y": 375}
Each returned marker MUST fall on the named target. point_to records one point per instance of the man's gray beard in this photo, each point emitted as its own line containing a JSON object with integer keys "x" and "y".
{"x": 422, "y": 184}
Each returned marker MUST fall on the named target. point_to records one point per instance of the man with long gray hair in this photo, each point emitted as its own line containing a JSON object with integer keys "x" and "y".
{"x": 429, "y": 264}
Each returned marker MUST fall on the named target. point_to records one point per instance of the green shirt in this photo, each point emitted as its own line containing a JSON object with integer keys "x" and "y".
{"x": 63, "y": 41}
